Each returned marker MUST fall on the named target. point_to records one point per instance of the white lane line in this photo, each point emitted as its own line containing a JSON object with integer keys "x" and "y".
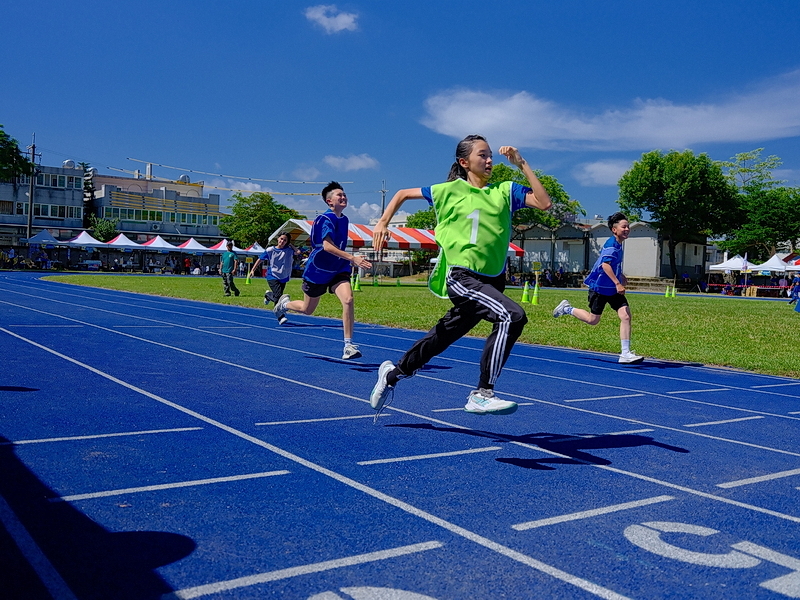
{"x": 48, "y": 575}
{"x": 426, "y": 456}
{"x": 431, "y": 378}
{"x": 97, "y": 436}
{"x": 700, "y": 391}
{"x": 170, "y": 302}
{"x": 480, "y": 540}
{"x": 604, "y": 398}
{"x": 226, "y": 327}
{"x": 47, "y": 326}
{"x": 521, "y": 356}
{"x": 756, "y": 387}
{"x": 143, "y": 326}
{"x": 722, "y": 422}
{"x": 630, "y": 432}
{"x": 796, "y": 412}
{"x": 321, "y": 420}
{"x": 586, "y": 514}
{"x": 250, "y": 580}
{"x": 461, "y": 408}
{"x": 770, "y": 477}
{"x": 166, "y": 486}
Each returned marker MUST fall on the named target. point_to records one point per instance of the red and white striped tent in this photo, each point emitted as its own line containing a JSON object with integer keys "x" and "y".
{"x": 360, "y": 236}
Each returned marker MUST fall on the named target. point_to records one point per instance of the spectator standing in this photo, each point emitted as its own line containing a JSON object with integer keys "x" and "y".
{"x": 228, "y": 263}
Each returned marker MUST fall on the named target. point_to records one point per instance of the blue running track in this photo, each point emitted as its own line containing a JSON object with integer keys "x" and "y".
{"x": 159, "y": 448}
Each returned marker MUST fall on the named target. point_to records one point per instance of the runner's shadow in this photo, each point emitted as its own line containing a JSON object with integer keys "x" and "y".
{"x": 574, "y": 449}
{"x": 17, "y": 388}
{"x": 92, "y": 561}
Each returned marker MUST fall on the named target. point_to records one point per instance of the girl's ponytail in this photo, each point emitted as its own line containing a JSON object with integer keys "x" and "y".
{"x": 456, "y": 172}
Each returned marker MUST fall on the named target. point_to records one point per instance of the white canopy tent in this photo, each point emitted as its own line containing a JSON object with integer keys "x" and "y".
{"x": 737, "y": 263}
{"x": 84, "y": 240}
{"x": 775, "y": 263}
{"x": 123, "y": 242}
{"x": 159, "y": 244}
{"x": 192, "y": 245}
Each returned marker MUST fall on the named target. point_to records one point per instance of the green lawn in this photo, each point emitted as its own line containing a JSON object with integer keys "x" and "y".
{"x": 755, "y": 335}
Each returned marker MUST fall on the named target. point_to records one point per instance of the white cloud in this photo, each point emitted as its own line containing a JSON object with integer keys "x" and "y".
{"x": 330, "y": 19}
{"x": 791, "y": 176}
{"x": 770, "y": 110}
{"x": 601, "y": 172}
{"x": 306, "y": 173}
{"x": 352, "y": 162}
{"x": 366, "y": 212}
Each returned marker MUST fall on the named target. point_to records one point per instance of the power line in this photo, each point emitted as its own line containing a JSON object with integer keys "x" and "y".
{"x": 227, "y": 176}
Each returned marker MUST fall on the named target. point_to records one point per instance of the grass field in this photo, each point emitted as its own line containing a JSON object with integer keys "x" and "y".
{"x": 755, "y": 335}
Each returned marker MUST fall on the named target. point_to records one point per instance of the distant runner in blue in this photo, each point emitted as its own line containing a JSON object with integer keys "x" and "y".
{"x": 607, "y": 286}
{"x": 328, "y": 266}
{"x": 279, "y": 260}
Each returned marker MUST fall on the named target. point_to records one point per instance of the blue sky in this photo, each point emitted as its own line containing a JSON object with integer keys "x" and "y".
{"x": 369, "y": 91}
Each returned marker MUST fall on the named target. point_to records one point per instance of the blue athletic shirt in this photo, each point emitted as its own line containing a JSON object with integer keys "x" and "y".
{"x": 518, "y": 194}
{"x": 279, "y": 262}
{"x": 323, "y": 266}
{"x": 597, "y": 280}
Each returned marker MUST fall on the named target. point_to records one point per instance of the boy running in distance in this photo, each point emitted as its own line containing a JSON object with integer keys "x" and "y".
{"x": 279, "y": 261}
{"x": 473, "y": 231}
{"x": 607, "y": 286}
{"x": 328, "y": 266}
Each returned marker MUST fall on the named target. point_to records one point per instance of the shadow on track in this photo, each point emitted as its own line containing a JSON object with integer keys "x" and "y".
{"x": 93, "y": 562}
{"x": 574, "y": 448}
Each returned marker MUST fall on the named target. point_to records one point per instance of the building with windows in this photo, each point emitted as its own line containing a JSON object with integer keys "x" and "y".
{"x": 57, "y": 204}
{"x": 145, "y": 206}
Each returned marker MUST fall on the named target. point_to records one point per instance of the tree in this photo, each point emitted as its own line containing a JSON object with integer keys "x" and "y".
{"x": 422, "y": 219}
{"x": 772, "y": 220}
{"x": 750, "y": 174}
{"x": 683, "y": 195}
{"x": 563, "y": 206}
{"x": 770, "y": 214}
{"x": 102, "y": 229}
{"x": 13, "y": 163}
{"x": 255, "y": 217}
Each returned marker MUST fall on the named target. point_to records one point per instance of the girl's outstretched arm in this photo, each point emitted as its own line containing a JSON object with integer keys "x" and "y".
{"x": 380, "y": 233}
{"x": 538, "y": 198}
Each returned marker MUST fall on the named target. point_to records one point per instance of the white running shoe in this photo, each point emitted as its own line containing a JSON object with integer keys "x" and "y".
{"x": 484, "y": 401}
{"x": 280, "y": 308}
{"x": 382, "y": 390}
{"x": 350, "y": 351}
{"x": 561, "y": 309}
{"x": 629, "y": 358}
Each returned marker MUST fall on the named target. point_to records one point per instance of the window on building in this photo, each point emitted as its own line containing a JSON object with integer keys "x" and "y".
{"x": 22, "y": 209}
{"x": 40, "y": 179}
{"x": 183, "y": 217}
{"x": 194, "y": 219}
{"x": 205, "y": 219}
{"x": 57, "y": 211}
{"x": 137, "y": 215}
{"x": 62, "y": 181}
{"x": 6, "y": 208}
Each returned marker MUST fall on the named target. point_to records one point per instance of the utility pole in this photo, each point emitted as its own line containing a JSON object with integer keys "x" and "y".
{"x": 31, "y": 188}
{"x": 383, "y": 208}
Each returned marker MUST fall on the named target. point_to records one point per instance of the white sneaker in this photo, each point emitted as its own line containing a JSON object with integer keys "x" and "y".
{"x": 280, "y": 308}
{"x": 350, "y": 351}
{"x": 382, "y": 390}
{"x": 629, "y": 358}
{"x": 484, "y": 401}
{"x": 561, "y": 309}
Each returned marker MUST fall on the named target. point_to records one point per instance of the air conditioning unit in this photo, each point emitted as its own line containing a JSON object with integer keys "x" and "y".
{"x": 156, "y": 227}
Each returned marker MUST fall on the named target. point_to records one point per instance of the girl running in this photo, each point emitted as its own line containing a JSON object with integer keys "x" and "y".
{"x": 473, "y": 231}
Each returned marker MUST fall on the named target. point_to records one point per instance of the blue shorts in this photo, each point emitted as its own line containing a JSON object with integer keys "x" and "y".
{"x": 315, "y": 290}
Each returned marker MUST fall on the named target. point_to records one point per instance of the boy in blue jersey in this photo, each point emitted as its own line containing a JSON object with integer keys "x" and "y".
{"x": 279, "y": 260}
{"x": 328, "y": 266}
{"x": 607, "y": 286}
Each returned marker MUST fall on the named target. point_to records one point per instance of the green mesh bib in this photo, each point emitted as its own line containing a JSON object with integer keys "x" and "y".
{"x": 473, "y": 229}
